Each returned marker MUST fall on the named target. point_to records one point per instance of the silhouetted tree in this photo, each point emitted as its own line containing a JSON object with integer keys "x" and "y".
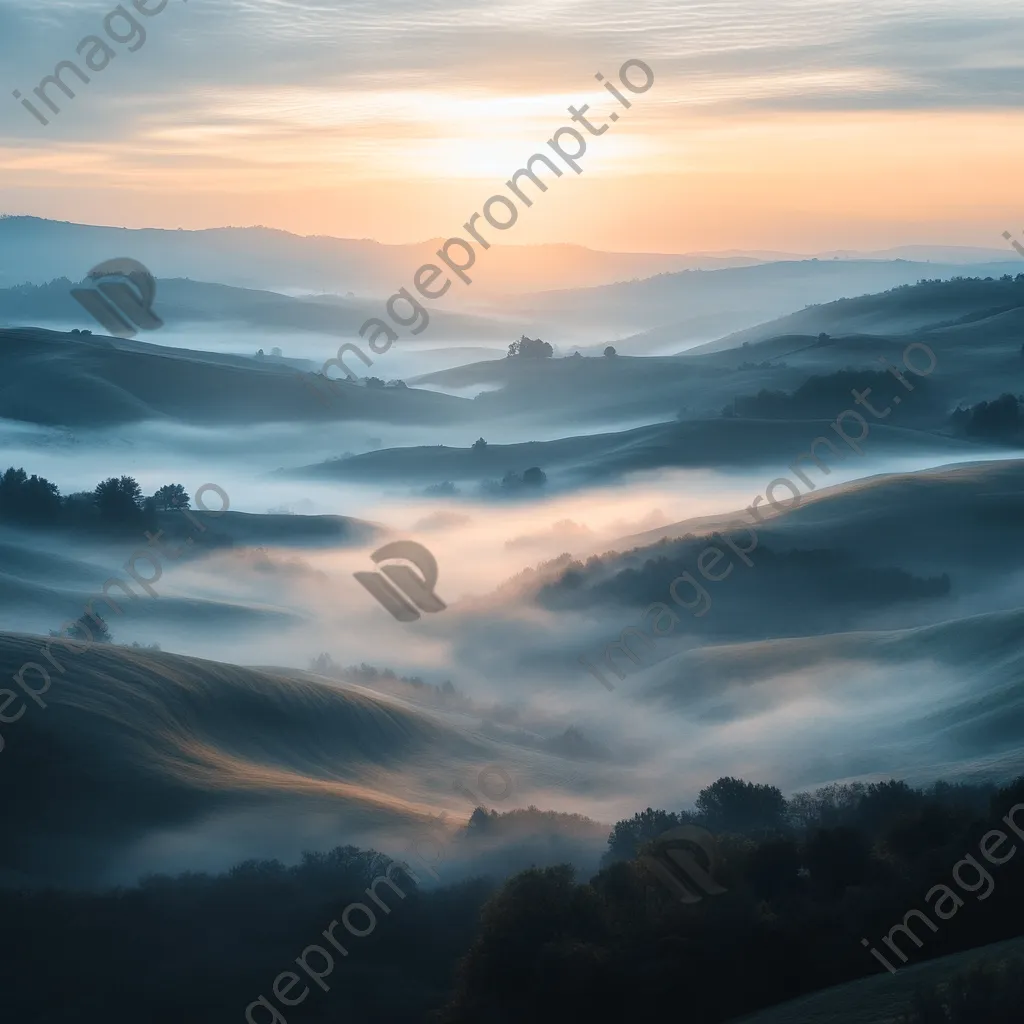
{"x": 119, "y": 499}
{"x": 171, "y": 496}
{"x": 610, "y": 351}
{"x": 885, "y": 804}
{"x": 534, "y": 477}
{"x": 628, "y": 835}
{"x": 479, "y": 444}
{"x": 26, "y": 499}
{"x": 1000, "y": 419}
{"x": 530, "y": 348}
{"x": 732, "y": 805}
{"x": 88, "y": 628}
{"x": 444, "y": 489}
{"x": 480, "y": 819}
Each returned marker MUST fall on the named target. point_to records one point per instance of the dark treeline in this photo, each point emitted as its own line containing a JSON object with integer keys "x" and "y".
{"x": 820, "y": 396}
{"x": 115, "y": 503}
{"x": 444, "y": 694}
{"x": 806, "y": 879}
{"x": 992, "y": 295}
{"x": 807, "y": 589}
{"x": 999, "y": 420}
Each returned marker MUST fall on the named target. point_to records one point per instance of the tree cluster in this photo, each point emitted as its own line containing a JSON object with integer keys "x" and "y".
{"x": 999, "y": 420}
{"x": 513, "y": 483}
{"x": 818, "y": 396}
{"x": 530, "y": 348}
{"x": 805, "y": 880}
{"x": 115, "y": 502}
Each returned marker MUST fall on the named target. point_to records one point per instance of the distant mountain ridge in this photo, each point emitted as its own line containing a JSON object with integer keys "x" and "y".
{"x": 36, "y": 250}
{"x": 184, "y": 301}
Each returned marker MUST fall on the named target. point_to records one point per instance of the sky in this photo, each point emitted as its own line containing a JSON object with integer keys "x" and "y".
{"x": 793, "y": 125}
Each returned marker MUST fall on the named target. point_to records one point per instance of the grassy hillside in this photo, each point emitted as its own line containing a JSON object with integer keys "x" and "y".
{"x": 53, "y": 378}
{"x": 184, "y": 301}
{"x": 881, "y": 999}
{"x": 924, "y": 305}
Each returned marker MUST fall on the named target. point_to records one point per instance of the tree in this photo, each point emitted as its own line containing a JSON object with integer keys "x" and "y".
{"x": 479, "y": 444}
{"x": 42, "y": 498}
{"x": 119, "y": 499}
{"x": 534, "y": 477}
{"x": 531, "y": 348}
{"x": 628, "y": 835}
{"x": 732, "y": 805}
{"x": 28, "y": 499}
{"x": 885, "y": 804}
{"x": 537, "y": 921}
{"x": 610, "y": 351}
{"x": 90, "y": 628}
{"x": 11, "y": 484}
{"x": 170, "y": 497}
{"x": 444, "y": 489}
{"x": 479, "y": 820}
{"x": 374, "y": 382}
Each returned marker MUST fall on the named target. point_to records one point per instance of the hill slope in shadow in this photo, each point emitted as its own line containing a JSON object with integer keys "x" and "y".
{"x": 54, "y": 378}
{"x": 219, "y": 760}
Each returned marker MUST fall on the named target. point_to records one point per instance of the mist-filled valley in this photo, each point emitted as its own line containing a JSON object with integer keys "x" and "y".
{"x": 790, "y": 557}
{"x": 511, "y": 513}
